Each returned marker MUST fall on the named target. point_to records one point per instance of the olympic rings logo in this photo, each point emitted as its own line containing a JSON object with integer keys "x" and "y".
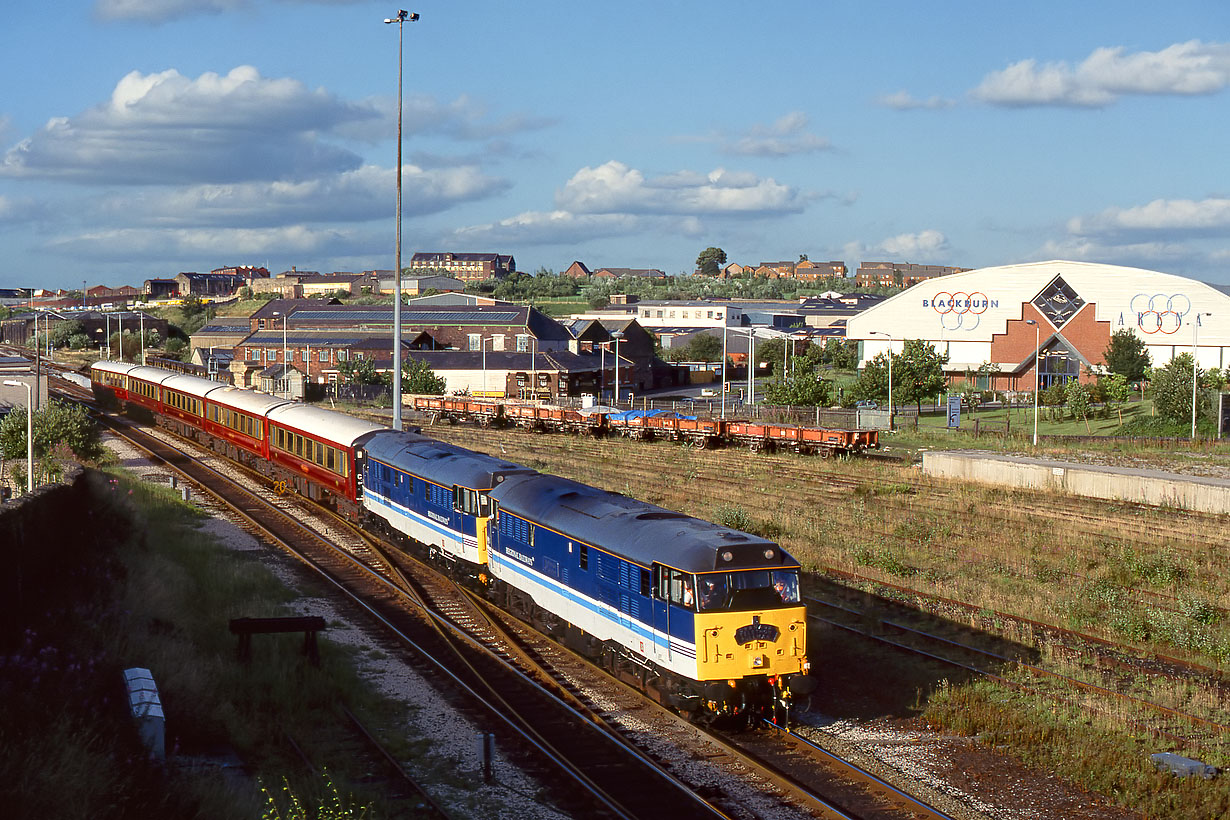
{"x": 1160, "y": 313}
{"x": 960, "y": 310}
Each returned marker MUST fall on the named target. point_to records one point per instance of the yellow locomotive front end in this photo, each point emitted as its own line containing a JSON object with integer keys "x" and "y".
{"x": 771, "y": 642}
{"x": 751, "y": 641}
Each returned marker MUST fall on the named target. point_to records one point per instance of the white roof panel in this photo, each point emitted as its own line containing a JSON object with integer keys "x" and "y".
{"x": 326, "y": 424}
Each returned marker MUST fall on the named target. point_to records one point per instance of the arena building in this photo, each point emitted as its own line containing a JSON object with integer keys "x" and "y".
{"x": 992, "y": 321}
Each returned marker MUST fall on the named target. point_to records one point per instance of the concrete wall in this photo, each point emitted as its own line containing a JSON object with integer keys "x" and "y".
{"x": 1091, "y": 480}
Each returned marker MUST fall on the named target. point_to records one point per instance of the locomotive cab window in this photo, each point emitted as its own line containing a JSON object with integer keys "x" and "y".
{"x": 751, "y": 589}
{"x": 465, "y": 500}
{"x": 677, "y": 587}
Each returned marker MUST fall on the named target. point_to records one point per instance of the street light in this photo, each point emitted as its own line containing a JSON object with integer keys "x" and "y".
{"x": 723, "y": 366}
{"x": 482, "y": 345}
{"x": 1195, "y": 326}
{"x": 890, "y": 373}
{"x": 285, "y": 362}
{"x": 1037, "y": 372}
{"x": 617, "y": 335}
{"x": 400, "y": 19}
{"x": 29, "y": 432}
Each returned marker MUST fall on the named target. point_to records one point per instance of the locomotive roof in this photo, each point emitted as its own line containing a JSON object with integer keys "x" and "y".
{"x": 329, "y": 425}
{"x": 445, "y": 464}
{"x": 632, "y": 529}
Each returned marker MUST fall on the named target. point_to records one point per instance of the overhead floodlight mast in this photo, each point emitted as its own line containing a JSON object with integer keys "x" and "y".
{"x": 402, "y": 17}
{"x": 1195, "y": 350}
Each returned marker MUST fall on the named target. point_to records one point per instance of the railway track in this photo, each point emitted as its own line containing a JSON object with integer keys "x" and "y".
{"x": 463, "y": 612}
{"x": 939, "y": 515}
{"x": 595, "y": 768}
{"x": 1176, "y": 725}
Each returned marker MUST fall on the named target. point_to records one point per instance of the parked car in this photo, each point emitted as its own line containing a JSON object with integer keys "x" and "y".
{"x": 866, "y": 404}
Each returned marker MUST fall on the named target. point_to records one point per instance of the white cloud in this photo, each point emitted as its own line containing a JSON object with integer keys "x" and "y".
{"x": 786, "y": 137}
{"x": 615, "y": 188}
{"x": 166, "y": 129}
{"x": 548, "y": 228}
{"x": 1155, "y": 255}
{"x": 353, "y": 196}
{"x": 133, "y": 244}
{"x": 1108, "y": 73}
{"x": 1161, "y": 216}
{"x": 924, "y": 246}
{"x": 904, "y": 101}
{"x": 162, "y": 11}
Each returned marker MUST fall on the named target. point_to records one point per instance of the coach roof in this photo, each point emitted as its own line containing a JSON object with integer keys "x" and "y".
{"x": 324, "y": 424}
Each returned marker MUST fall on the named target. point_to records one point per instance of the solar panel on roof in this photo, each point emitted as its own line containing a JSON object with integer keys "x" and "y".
{"x": 442, "y": 317}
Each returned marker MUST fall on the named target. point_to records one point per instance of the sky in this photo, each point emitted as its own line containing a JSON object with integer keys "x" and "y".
{"x": 142, "y": 138}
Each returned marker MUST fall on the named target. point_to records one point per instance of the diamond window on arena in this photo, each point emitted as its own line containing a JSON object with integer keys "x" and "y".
{"x": 1058, "y": 301}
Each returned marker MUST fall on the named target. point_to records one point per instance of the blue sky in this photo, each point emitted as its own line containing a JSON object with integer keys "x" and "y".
{"x": 141, "y": 138}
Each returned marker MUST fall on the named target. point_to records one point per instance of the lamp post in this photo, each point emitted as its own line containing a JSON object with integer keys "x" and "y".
{"x": 1037, "y": 372}
{"x": 890, "y": 373}
{"x": 1195, "y": 327}
{"x": 723, "y": 367}
{"x": 482, "y": 345}
{"x": 29, "y": 432}
{"x": 285, "y": 362}
{"x": 617, "y": 335}
{"x": 751, "y": 368}
{"x": 400, "y": 20}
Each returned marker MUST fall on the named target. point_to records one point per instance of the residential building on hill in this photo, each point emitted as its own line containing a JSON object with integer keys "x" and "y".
{"x": 468, "y": 267}
{"x": 899, "y": 274}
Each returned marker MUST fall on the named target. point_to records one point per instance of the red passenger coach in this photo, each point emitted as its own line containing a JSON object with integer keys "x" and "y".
{"x": 235, "y": 418}
{"x": 316, "y": 449}
{"x": 110, "y": 381}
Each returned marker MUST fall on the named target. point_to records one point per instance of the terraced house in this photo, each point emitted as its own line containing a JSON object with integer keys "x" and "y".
{"x": 468, "y": 267}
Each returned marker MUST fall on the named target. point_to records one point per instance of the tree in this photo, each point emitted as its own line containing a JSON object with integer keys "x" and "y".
{"x": 840, "y": 354}
{"x": 1126, "y": 354}
{"x": 1116, "y": 389}
{"x": 802, "y": 388}
{"x": 918, "y": 373}
{"x": 56, "y": 427}
{"x": 361, "y": 371}
{"x": 711, "y": 260}
{"x": 1079, "y": 402}
{"x": 1171, "y": 387}
{"x": 872, "y": 383}
{"x": 704, "y": 347}
{"x": 418, "y": 377}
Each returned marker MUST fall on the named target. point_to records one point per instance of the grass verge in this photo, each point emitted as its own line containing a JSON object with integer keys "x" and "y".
{"x": 135, "y": 581}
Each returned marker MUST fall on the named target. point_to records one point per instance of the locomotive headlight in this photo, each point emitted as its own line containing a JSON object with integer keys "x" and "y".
{"x": 768, "y": 554}
{"x": 728, "y": 556}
